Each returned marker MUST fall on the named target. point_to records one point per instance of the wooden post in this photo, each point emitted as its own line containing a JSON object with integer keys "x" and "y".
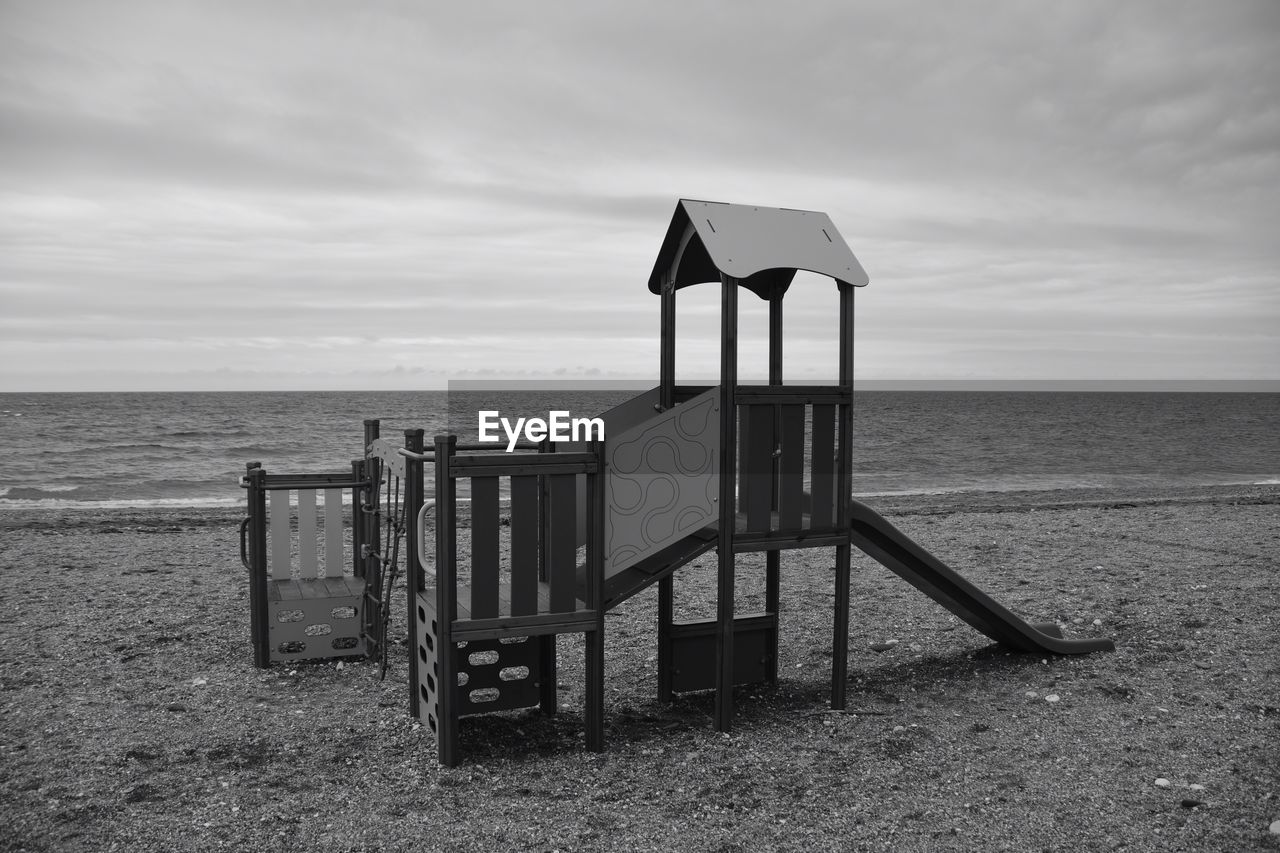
{"x": 728, "y": 518}
{"x": 667, "y": 396}
{"x": 773, "y": 559}
{"x": 548, "y": 696}
{"x": 358, "y": 527}
{"x": 413, "y": 501}
{"x": 667, "y": 347}
{"x": 594, "y": 711}
{"x": 844, "y": 489}
{"x": 370, "y": 517}
{"x": 260, "y": 629}
{"x": 446, "y": 601}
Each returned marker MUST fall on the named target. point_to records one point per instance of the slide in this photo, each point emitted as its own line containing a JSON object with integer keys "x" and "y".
{"x": 889, "y": 546}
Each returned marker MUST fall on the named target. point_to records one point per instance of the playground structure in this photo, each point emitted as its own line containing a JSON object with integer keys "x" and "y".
{"x": 682, "y": 471}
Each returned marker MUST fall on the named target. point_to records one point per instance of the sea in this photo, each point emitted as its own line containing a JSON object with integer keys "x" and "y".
{"x": 105, "y": 450}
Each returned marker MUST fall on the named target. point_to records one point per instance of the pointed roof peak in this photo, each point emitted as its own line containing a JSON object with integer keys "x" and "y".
{"x": 762, "y": 247}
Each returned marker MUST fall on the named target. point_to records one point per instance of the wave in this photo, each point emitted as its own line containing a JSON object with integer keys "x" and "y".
{"x": 124, "y": 503}
{"x": 251, "y": 450}
{"x": 103, "y": 449}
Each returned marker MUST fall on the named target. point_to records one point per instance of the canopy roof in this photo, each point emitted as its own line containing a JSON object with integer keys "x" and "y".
{"x": 762, "y": 247}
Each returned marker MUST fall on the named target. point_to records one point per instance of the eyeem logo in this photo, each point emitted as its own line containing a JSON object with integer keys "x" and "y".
{"x": 559, "y": 426}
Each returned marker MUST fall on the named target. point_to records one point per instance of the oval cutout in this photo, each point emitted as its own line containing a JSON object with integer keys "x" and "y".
{"x": 485, "y": 658}
{"x": 343, "y": 643}
{"x": 319, "y": 629}
{"x": 294, "y": 647}
{"x": 484, "y": 694}
{"x": 290, "y": 615}
{"x": 347, "y": 612}
{"x": 463, "y": 678}
{"x": 514, "y": 673}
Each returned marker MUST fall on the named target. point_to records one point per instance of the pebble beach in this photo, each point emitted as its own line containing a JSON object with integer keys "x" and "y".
{"x": 132, "y": 717}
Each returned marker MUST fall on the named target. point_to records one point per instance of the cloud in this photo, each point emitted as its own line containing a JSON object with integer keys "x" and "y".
{"x": 1050, "y": 189}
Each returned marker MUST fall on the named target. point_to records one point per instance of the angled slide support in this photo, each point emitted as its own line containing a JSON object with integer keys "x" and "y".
{"x": 889, "y": 546}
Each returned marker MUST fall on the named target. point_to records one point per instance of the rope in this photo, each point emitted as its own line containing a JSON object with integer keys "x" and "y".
{"x": 395, "y": 532}
{"x": 388, "y": 508}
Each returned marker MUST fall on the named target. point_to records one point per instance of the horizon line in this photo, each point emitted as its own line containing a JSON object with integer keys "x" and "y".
{"x": 561, "y": 383}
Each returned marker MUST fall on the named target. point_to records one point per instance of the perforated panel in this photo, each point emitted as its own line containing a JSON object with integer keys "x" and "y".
{"x": 315, "y": 628}
{"x": 497, "y": 675}
{"x": 428, "y": 667}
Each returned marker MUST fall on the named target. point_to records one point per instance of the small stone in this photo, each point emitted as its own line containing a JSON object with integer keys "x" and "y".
{"x": 142, "y": 793}
{"x": 1188, "y": 803}
{"x": 1097, "y": 623}
{"x": 1163, "y": 782}
{"x": 1031, "y": 694}
{"x": 1275, "y": 827}
{"x": 915, "y": 647}
{"x": 1053, "y": 697}
{"x": 1162, "y": 710}
{"x": 339, "y": 666}
{"x": 897, "y": 729}
{"x": 199, "y": 681}
{"x": 1196, "y": 787}
{"x": 882, "y": 647}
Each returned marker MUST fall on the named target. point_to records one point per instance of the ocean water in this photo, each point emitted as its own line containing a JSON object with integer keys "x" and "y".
{"x": 189, "y": 449}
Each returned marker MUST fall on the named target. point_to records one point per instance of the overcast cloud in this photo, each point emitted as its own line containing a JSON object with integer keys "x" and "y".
{"x": 343, "y": 195}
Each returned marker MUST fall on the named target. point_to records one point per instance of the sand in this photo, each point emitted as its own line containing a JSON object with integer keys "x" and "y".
{"x": 133, "y": 719}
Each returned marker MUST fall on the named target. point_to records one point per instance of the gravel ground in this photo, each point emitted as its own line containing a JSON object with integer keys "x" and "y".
{"x": 131, "y": 716}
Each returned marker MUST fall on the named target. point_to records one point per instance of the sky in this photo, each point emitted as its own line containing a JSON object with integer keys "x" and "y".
{"x": 337, "y": 195}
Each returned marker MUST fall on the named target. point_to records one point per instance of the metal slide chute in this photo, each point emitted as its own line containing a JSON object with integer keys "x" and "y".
{"x": 890, "y": 547}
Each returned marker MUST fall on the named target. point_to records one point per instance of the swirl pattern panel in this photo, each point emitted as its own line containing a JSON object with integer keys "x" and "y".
{"x": 662, "y": 481}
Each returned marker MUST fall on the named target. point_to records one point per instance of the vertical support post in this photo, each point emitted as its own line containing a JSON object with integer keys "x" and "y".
{"x": 370, "y": 512}
{"x": 259, "y": 627}
{"x": 446, "y": 600}
{"x": 548, "y": 697}
{"x": 773, "y": 559}
{"x": 667, "y": 348}
{"x": 844, "y": 489}
{"x": 594, "y": 711}
{"x": 413, "y": 500}
{"x": 728, "y": 519}
{"x": 366, "y": 512}
{"x": 358, "y": 527}
{"x": 370, "y": 605}
{"x": 667, "y": 399}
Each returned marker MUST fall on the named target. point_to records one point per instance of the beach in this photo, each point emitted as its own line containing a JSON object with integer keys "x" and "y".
{"x": 133, "y": 718}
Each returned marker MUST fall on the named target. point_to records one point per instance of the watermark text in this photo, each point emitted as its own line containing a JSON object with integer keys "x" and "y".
{"x": 558, "y": 426}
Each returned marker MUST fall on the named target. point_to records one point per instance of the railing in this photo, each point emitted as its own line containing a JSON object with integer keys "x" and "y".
{"x": 529, "y": 577}
{"x": 787, "y": 441}
{"x": 297, "y": 537}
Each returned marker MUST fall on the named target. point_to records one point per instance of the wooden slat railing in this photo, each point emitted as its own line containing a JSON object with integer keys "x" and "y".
{"x": 779, "y": 427}
{"x": 535, "y": 580}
